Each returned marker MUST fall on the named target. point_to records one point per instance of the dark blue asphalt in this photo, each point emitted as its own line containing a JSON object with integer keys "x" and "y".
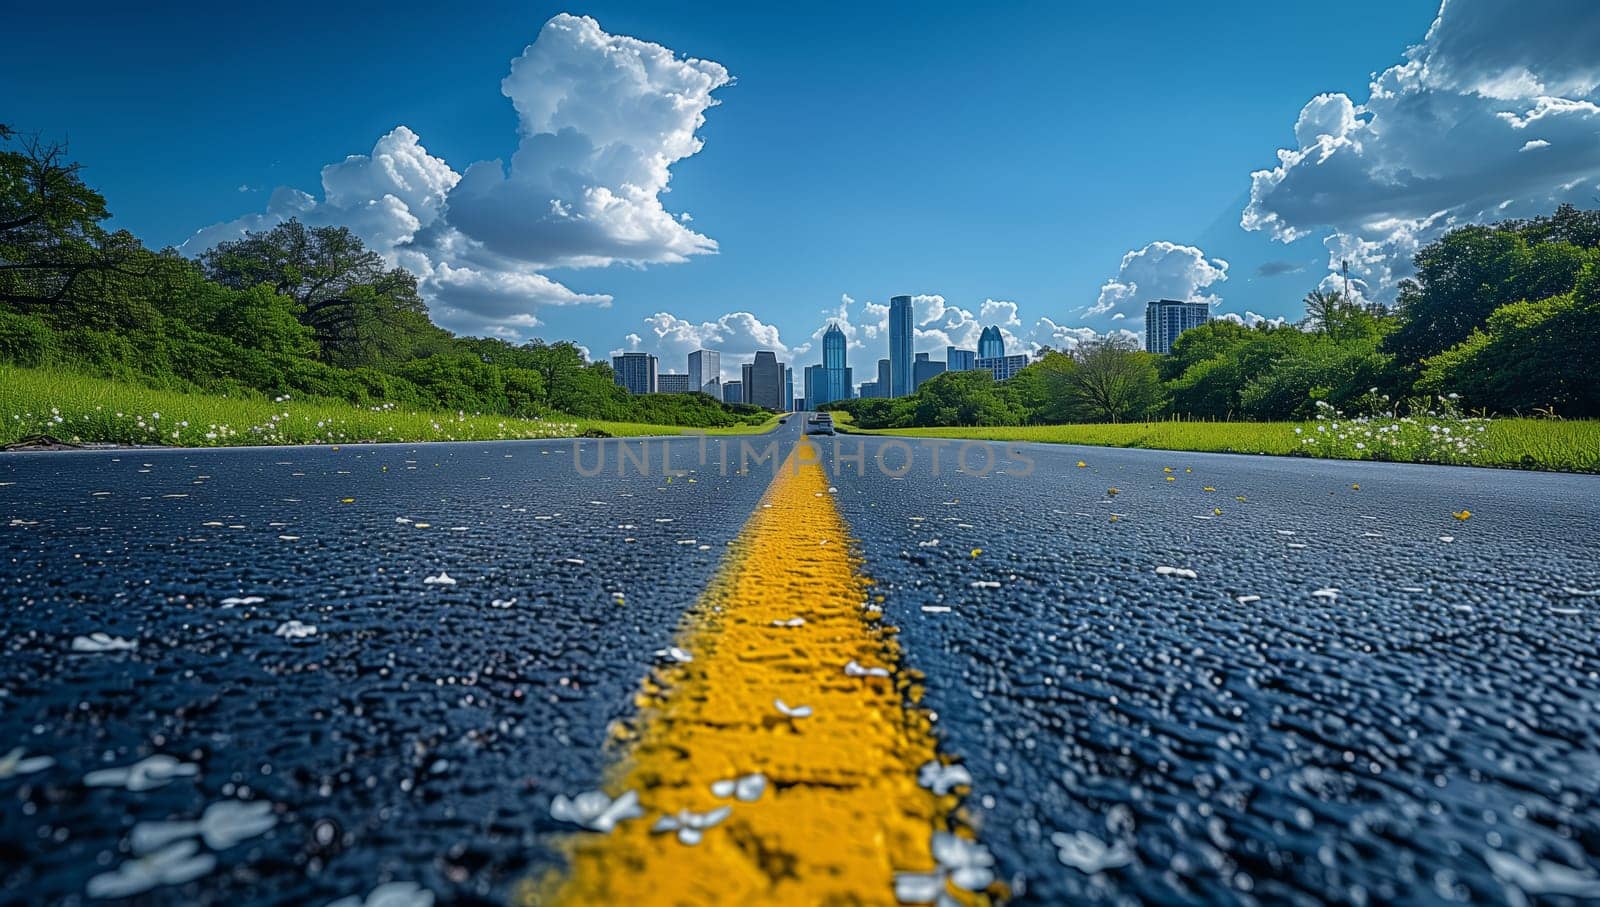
{"x": 1439, "y": 716}
{"x": 1429, "y": 734}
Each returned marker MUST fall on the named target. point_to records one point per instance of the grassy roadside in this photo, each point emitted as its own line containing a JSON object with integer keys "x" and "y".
{"x": 1507, "y": 443}
{"x": 79, "y": 409}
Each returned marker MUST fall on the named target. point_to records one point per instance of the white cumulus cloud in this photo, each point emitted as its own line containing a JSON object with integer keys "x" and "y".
{"x": 1440, "y": 139}
{"x": 601, "y": 120}
{"x": 1160, "y": 270}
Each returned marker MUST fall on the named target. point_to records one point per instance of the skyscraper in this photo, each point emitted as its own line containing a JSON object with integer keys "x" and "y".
{"x": 900, "y": 341}
{"x": 788, "y": 388}
{"x": 1003, "y": 368}
{"x": 1165, "y": 319}
{"x": 746, "y": 380}
{"x": 816, "y": 381}
{"x": 766, "y": 381}
{"x": 840, "y": 384}
{"x": 705, "y": 369}
{"x": 635, "y": 371}
{"x": 990, "y": 344}
{"x": 733, "y": 392}
{"x": 959, "y": 360}
{"x": 885, "y": 386}
{"x": 669, "y": 383}
{"x": 923, "y": 368}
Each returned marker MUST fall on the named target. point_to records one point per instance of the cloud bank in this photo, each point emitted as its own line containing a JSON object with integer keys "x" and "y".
{"x": 601, "y": 120}
{"x": 1494, "y": 115}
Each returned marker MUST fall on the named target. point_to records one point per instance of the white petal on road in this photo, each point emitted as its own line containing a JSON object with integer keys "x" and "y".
{"x": 689, "y": 825}
{"x": 443, "y": 579}
{"x": 596, "y": 811}
{"x": 17, "y": 762}
{"x": 227, "y": 822}
{"x": 233, "y": 600}
{"x": 1183, "y": 572}
{"x": 854, "y": 669}
{"x": 172, "y": 865}
{"x": 294, "y": 629}
{"x": 793, "y": 711}
{"x": 941, "y": 778}
{"x": 675, "y": 654}
{"x": 390, "y": 894}
{"x": 1330, "y": 593}
{"x": 747, "y": 788}
{"x": 103, "y": 642}
{"x": 1088, "y": 854}
{"x": 918, "y": 887}
{"x": 1545, "y": 878}
{"x": 146, "y": 774}
{"x": 969, "y": 863}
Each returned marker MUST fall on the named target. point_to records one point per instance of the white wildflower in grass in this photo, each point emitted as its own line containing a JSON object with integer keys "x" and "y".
{"x": 1426, "y": 431}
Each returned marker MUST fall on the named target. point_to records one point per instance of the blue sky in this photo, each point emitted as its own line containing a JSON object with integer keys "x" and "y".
{"x": 1013, "y": 155}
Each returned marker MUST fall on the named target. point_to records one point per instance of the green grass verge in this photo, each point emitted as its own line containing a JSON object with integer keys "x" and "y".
{"x": 1508, "y": 443}
{"x": 80, "y": 409}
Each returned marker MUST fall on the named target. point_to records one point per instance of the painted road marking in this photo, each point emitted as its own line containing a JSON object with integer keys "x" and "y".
{"x": 842, "y": 811}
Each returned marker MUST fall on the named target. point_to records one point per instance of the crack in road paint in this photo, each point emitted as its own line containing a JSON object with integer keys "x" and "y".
{"x": 843, "y": 812}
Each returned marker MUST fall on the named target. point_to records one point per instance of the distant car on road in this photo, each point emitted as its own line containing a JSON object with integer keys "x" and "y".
{"x": 820, "y": 424}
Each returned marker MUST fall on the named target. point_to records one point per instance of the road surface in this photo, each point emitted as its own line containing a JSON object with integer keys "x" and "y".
{"x": 1165, "y": 677}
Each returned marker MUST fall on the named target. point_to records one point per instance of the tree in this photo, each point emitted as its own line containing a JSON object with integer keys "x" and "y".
{"x": 362, "y": 311}
{"x": 54, "y": 253}
{"x": 1469, "y": 273}
{"x": 962, "y": 398}
{"x": 1114, "y": 380}
{"x": 1043, "y": 390}
{"x": 1530, "y": 355}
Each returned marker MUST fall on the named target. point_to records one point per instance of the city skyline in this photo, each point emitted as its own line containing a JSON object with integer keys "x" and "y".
{"x": 832, "y": 378}
{"x": 1069, "y": 222}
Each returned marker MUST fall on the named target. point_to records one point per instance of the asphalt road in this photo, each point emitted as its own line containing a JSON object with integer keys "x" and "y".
{"x": 1429, "y": 732}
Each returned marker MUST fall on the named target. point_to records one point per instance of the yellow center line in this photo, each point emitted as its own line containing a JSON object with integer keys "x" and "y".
{"x": 842, "y": 811}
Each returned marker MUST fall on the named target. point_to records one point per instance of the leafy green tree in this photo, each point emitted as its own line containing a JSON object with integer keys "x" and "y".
{"x": 962, "y": 398}
{"x": 362, "y": 311}
{"x": 1529, "y": 356}
{"x": 1043, "y": 390}
{"x": 1467, "y": 274}
{"x": 1114, "y": 381}
{"x": 55, "y": 257}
